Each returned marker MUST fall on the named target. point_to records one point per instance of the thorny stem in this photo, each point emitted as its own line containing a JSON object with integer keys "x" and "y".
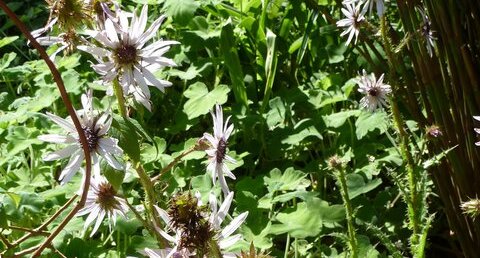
{"x": 71, "y": 111}
{"x": 412, "y": 200}
{"x": 341, "y": 177}
{"x": 33, "y": 231}
{"x": 5, "y": 241}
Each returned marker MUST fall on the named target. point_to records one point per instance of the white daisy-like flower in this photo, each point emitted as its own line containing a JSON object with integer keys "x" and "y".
{"x": 102, "y": 200}
{"x": 125, "y": 56}
{"x": 426, "y": 31}
{"x": 375, "y": 91}
{"x": 477, "y": 130}
{"x": 368, "y": 5}
{"x": 354, "y": 17}
{"x": 95, "y": 128}
{"x": 216, "y": 216}
{"x": 217, "y": 153}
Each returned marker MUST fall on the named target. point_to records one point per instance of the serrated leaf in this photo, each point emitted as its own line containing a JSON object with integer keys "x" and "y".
{"x": 290, "y": 180}
{"x": 201, "y": 101}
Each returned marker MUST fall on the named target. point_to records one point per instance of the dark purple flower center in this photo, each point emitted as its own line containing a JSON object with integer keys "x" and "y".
{"x": 126, "y": 54}
{"x": 106, "y": 196}
{"x": 221, "y": 150}
{"x": 373, "y": 92}
{"x": 92, "y": 137}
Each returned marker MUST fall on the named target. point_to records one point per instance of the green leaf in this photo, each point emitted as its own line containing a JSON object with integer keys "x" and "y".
{"x": 276, "y": 114}
{"x": 270, "y": 68}
{"x": 7, "y": 40}
{"x": 302, "y": 130}
{"x": 305, "y": 221}
{"x": 356, "y": 185}
{"x": 201, "y": 101}
{"x": 228, "y": 47}
{"x": 370, "y": 121}
{"x": 181, "y": 11}
{"x": 290, "y": 180}
{"x": 336, "y": 120}
{"x": 6, "y": 60}
{"x": 128, "y": 138}
{"x": 335, "y": 53}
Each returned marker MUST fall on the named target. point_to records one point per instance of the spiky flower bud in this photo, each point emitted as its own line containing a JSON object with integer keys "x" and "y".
{"x": 433, "y": 131}
{"x": 335, "y": 162}
{"x": 187, "y": 217}
{"x": 471, "y": 208}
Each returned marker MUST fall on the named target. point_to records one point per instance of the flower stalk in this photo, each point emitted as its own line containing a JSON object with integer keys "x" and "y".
{"x": 120, "y": 98}
{"x": 412, "y": 199}
{"x": 339, "y": 173}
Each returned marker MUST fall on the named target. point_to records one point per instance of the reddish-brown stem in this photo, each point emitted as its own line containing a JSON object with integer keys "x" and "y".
{"x": 33, "y": 231}
{"x": 71, "y": 111}
{"x": 5, "y": 241}
{"x": 46, "y": 223}
{"x": 171, "y": 164}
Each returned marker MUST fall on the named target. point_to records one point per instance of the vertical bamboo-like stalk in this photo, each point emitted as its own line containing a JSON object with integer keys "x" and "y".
{"x": 448, "y": 84}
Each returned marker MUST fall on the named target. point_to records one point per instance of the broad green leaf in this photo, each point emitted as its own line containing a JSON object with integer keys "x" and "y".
{"x": 181, "y": 11}
{"x": 370, "y": 121}
{"x": 335, "y": 53}
{"x": 201, "y": 101}
{"x": 336, "y": 120}
{"x": 289, "y": 180}
{"x": 305, "y": 221}
{"x": 357, "y": 186}
{"x": 302, "y": 130}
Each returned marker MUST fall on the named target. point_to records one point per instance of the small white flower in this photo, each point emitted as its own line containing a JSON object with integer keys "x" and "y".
{"x": 477, "y": 130}
{"x": 217, "y": 153}
{"x": 375, "y": 91}
{"x": 125, "y": 56}
{"x": 354, "y": 16}
{"x": 426, "y": 31}
{"x": 380, "y": 5}
{"x": 95, "y": 128}
{"x": 102, "y": 201}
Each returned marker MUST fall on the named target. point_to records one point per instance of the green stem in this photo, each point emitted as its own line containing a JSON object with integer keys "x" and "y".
{"x": 341, "y": 177}
{"x": 120, "y": 99}
{"x": 412, "y": 200}
{"x": 214, "y": 251}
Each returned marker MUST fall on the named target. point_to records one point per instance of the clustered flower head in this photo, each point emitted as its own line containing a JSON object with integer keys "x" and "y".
{"x": 197, "y": 229}
{"x": 124, "y": 56}
{"x": 217, "y": 153}
{"x": 375, "y": 91}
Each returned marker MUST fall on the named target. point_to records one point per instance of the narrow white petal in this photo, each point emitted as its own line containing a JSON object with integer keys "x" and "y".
{"x": 67, "y": 125}
{"x": 63, "y": 153}
{"x": 236, "y": 223}
{"x": 55, "y": 138}
{"x": 72, "y": 167}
